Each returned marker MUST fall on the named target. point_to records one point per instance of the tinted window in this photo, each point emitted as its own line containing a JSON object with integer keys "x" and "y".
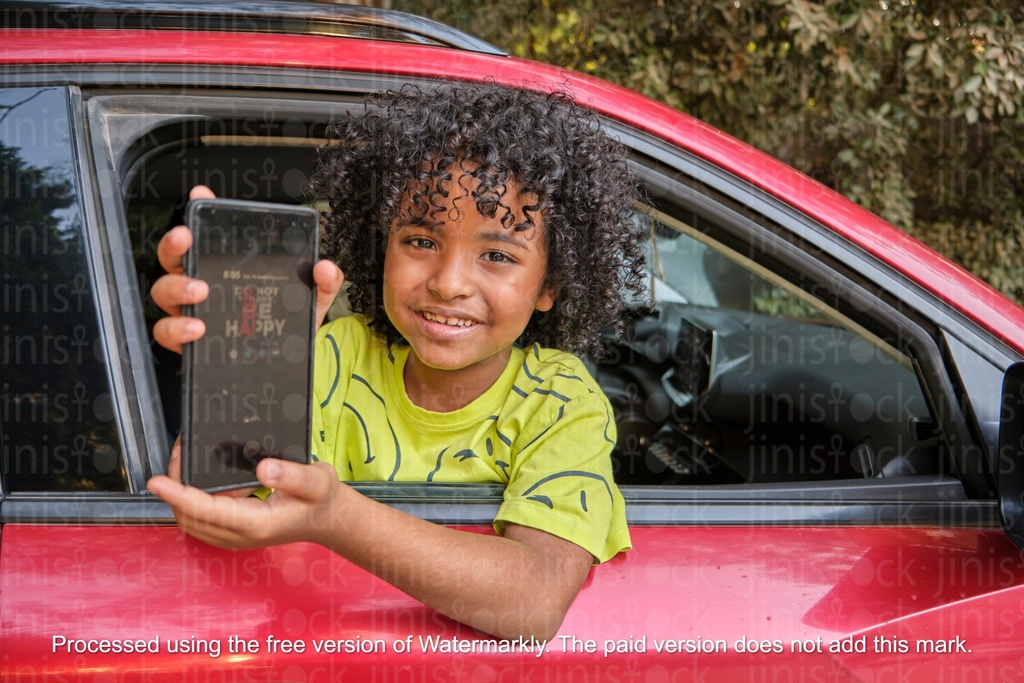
{"x": 57, "y": 426}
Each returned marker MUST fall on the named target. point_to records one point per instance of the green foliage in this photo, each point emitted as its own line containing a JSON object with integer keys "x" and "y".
{"x": 912, "y": 108}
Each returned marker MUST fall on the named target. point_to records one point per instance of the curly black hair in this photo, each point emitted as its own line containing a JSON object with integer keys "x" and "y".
{"x": 412, "y": 139}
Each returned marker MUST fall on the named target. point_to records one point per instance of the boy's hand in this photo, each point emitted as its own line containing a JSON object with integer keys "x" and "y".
{"x": 174, "y": 290}
{"x": 298, "y": 509}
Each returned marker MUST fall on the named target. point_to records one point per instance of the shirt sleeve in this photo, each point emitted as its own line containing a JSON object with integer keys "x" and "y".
{"x": 561, "y": 479}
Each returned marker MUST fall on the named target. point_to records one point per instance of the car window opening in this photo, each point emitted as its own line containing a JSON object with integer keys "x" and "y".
{"x": 737, "y": 376}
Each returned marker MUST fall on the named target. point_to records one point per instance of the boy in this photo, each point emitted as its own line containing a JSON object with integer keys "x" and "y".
{"x": 468, "y": 219}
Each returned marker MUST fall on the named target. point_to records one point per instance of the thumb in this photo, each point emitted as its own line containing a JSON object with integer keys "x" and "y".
{"x": 310, "y": 483}
{"x": 328, "y": 278}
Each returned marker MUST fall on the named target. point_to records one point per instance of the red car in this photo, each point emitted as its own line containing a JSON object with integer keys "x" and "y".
{"x": 820, "y": 432}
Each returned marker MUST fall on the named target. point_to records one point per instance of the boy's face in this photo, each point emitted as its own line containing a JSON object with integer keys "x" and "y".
{"x": 461, "y": 292}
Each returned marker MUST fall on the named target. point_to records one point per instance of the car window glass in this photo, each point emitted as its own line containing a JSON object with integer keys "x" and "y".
{"x": 57, "y": 419}
{"x": 737, "y": 376}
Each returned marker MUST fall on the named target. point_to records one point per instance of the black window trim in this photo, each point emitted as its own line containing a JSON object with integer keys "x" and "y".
{"x": 137, "y": 374}
{"x": 913, "y": 502}
{"x": 106, "y": 296}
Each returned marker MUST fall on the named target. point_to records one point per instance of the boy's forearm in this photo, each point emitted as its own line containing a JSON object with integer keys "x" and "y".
{"x": 518, "y": 585}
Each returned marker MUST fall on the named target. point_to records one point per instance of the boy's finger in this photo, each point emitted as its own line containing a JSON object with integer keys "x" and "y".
{"x": 173, "y": 333}
{"x": 171, "y": 292}
{"x": 174, "y": 464}
{"x": 165, "y": 488}
{"x": 172, "y": 248}
{"x": 329, "y": 279}
{"x": 201, "y": 192}
{"x": 198, "y": 509}
{"x": 178, "y": 240}
{"x": 305, "y": 482}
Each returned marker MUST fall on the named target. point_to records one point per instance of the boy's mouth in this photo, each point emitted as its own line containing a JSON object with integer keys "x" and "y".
{"x": 451, "y": 321}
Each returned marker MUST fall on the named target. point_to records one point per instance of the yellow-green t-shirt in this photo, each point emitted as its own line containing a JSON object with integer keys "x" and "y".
{"x": 544, "y": 430}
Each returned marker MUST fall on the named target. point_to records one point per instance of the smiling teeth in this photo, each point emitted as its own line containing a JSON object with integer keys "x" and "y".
{"x": 454, "y": 322}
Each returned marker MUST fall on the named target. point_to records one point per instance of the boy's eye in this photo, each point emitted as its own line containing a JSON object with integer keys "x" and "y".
{"x": 420, "y": 242}
{"x": 498, "y": 257}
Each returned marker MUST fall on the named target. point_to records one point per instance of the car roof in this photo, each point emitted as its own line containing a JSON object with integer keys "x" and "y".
{"x": 963, "y": 291}
{"x": 265, "y": 16}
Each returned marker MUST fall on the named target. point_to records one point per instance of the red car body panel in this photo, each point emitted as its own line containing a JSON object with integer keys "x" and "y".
{"x": 812, "y": 585}
{"x": 954, "y": 285}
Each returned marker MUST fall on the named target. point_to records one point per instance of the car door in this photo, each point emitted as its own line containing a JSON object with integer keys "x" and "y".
{"x": 805, "y": 439}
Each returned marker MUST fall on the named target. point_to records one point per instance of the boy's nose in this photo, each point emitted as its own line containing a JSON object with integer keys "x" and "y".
{"x": 451, "y": 278}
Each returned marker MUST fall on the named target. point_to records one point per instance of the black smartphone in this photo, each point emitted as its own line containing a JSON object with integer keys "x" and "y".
{"x": 247, "y": 383}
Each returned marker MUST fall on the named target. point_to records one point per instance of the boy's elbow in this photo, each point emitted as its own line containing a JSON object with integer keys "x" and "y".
{"x": 548, "y": 630}
{"x": 540, "y": 616}
{"x": 549, "y": 620}
{"x": 539, "y": 626}
{"x": 548, "y": 583}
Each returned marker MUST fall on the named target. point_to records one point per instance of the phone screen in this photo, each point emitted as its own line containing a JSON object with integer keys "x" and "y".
{"x": 248, "y": 380}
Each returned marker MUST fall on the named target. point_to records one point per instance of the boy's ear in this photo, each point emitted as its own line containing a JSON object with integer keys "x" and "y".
{"x": 546, "y": 299}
